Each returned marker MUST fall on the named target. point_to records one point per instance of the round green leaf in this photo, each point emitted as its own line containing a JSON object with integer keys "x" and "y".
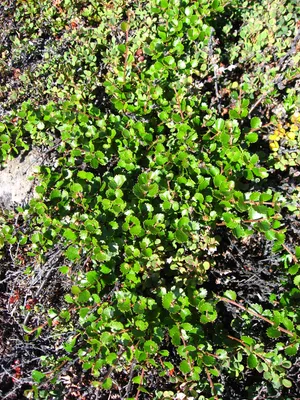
{"x": 76, "y": 188}
{"x": 84, "y": 296}
{"x": 286, "y": 383}
{"x": 141, "y": 325}
{"x": 273, "y": 332}
{"x": 125, "y": 26}
{"x": 252, "y": 361}
{"x": 297, "y": 280}
{"x": 150, "y": 346}
{"x": 184, "y": 367}
{"x": 252, "y": 137}
{"x": 255, "y": 122}
{"x": 72, "y": 253}
{"x": 181, "y": 64}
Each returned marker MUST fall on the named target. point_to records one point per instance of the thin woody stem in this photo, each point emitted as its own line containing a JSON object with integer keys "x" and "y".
{"x": 255, "y": 314}
{"x": 211, "y": 384}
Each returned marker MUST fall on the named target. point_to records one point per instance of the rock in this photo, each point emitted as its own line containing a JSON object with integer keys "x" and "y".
{"x": 15, "y": 186}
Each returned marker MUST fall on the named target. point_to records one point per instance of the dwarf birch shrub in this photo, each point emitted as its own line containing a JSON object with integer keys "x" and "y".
{"x": 141, "y": 183}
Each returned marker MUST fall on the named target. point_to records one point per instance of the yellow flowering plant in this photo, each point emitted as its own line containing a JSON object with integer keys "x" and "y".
{"x": 284, "y": 143}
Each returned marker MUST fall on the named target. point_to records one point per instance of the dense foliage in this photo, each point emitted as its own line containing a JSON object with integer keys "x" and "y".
{"x": 164, "y": 125}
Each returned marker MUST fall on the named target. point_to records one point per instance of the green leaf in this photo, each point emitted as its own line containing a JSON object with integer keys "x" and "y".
{"x": 72, "y": 253}
{"x": 111, "y": 358}
{"x": 120, "y": 180}
{"x": 68, "y": 346}
{"x": 64, "y": 269}
{"x": 248, "y": 340}
{"x": 183, "y": 222}
{"x": 137, "y": 379}
{"x": 75, "y": 290}
{"x": 294, "y": 269}
{"x": 163, "y": 116}
{"x": 286, "y": 364}
{"x": 164, "y": 3}
{"x": 230, "y": 294}
{"x": 219, "y": 179}
{"x": 175, "y": 335}
{"x": 68, "y": 299}
{"x": 219, "y": 124}
{"x": 252, "y": 137}
{"x": 181, "y": 64}
{"x": 288, "y": 323}
{"x": 257, "y": 308}
{"x": 255, "y": 123}
{"x": 291, "y": 350}
{"x": 209, "y": 313}
{"x": 270, "y": 235}
{"x": 70, "y": 235}
{"x": 76, "y": 188}
{"x": 153, "y": 190}
{"x": 181, "y": 236}
{"x": 106, "y": 337}
{"x": 230, "y": 220}
{"x": 143, "y": 389}
{"x": 168, "y": 298}
{"x": 252, "y": 361}
{"x": 107, "y": 384}
{"x": 84, "y": 296}
{"x": 287, "y": 383}
{"x": 135, "y": 230}
{"x": 91, "y": 277}
{"x": 87, "y": 365}
{"x": 37, "y": 376}
{"x": 169, "y": 60}
{"x": 36, "y": 238}
{"x": 124, "y": 304}
{"x": 297, "y": 280}
{"x": 65, "y": 315}
{"x": 215, "y": 5}
{"x": 116, "y": 325}
{"x": 273, "y": 332}
{"x": 188, "y": 11}
{"x": 208, "y": 360}
{"x": 88, "y": 176}
{"x": 4, "y": 138}
{"x": 193, "y": 33}
{"x": 184, "y": 367}
{"x": 150, "y": 347}
{"x": 139, "y": 192}
{"x": 141, "y": 325}
{"x": 125, "y": 26}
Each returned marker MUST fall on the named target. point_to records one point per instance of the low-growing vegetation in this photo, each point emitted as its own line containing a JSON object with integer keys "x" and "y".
{"x": 159, "y": 257}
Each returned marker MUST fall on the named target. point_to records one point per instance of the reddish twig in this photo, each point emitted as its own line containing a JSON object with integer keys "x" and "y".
{"x": 139, "y": 391}
{"x": 295, "y": 259}
{"x": 255, "y": 314}
{"x": 211, "y": 384}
